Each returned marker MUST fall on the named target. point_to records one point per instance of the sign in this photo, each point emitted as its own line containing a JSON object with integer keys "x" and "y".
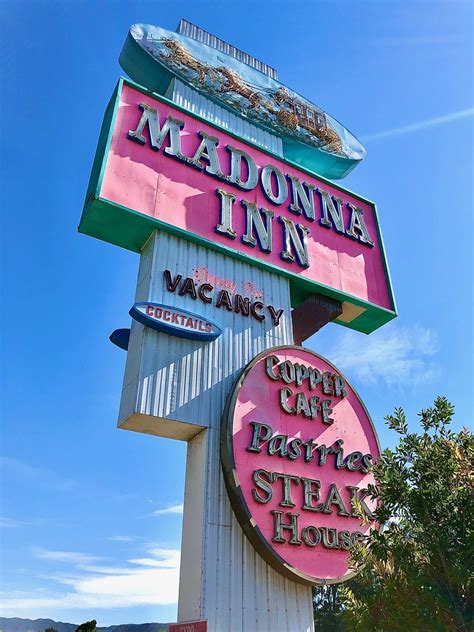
{"x": 297, "y": 446}
{"x": 189, "y": 626}
{"x": 160, "y": 167}
{"x": 175, "y": 321}
{"x": 120, "y": 338}
{"x": 225, "y": 298}
{"x": 214, "y": 181}
{"x": 152, "y": 56}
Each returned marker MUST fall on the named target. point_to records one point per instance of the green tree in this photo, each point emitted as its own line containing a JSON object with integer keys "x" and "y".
{"x": 88, "y": 626}
{"x": 415, "y": 573}
{"x": 50, "y": 630}
{"x": 327, "y": 608}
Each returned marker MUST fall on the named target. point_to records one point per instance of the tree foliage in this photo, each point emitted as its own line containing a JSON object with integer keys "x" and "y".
{"x": 415, "y": 572}
{"x": 327, "y": 606}
{"x": 88, "y": 626}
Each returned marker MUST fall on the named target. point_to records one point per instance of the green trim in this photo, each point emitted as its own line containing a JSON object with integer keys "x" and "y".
{"x": 103, "y": 147}
{"x": 115, "y": 109}
{"x": 131, "y": 229}
{"x": 140, "y": 64}
{"x": 388, "y": 276}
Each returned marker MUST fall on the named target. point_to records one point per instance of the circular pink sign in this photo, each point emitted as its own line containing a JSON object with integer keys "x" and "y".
{"x": 297, "y": 447}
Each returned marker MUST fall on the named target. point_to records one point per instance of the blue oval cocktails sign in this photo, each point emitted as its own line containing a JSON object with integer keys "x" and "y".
{"x": 175, "y": 321}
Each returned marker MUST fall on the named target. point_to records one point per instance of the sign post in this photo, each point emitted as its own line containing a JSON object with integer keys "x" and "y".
{"x": 244, "y": 250}
{"x": 177, "y": 388}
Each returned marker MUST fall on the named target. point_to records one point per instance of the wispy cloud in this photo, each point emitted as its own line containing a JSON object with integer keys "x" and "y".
{"x": 71, "y": 557}
{"x": 42, "y": 476}
{"x": 161, "y": 558}
{"x": 428, "y": 39}
{"x": 148, "y": 581}
{"x": 394, "y": 355}
{"x": 421, "y": 125}
{"x": 10, "y": 523}
{"x": 172, "y": 509}
{"x": 122, "y": 538}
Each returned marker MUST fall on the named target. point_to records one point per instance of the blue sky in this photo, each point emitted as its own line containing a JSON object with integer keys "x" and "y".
{"x": 91, "y": 516}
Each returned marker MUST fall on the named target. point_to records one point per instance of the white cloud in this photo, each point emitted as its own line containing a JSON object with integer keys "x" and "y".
{"x": 70, "y": 557}
{"x": 420, "y": 125}
{"x": 122, "y": 538}
{"x": 391, "y": 355}
{"x": 10, "y": 522}
{"x": 146, "y": 581}
{"x": 172, "y": 509}
{"x": 162, "y": 558}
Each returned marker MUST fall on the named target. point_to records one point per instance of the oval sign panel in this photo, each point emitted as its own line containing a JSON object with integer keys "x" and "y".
{"x": 297, "y": 446}
{"x": 152, "y": 56}
{"x": 175, "y": 321}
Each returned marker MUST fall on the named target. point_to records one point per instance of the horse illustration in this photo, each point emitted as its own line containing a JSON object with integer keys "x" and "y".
{"x": 233, "y": 83}
{"x": 180, "y": 55}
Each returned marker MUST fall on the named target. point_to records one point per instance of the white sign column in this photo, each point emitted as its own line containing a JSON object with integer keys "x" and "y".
{"x": 177, "y": 388}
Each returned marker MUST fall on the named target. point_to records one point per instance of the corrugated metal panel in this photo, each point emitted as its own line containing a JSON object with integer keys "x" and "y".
{"x": 223, "y": 579}
{"x": 195, "y": 32}
{"x": 176, "y": 373}
{"x": 186, "y": 97}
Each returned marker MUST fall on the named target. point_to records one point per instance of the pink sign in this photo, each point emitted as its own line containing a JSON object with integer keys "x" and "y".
{"x": 164, "y": 168}
{"x": 189, "y": 626}
{"x": 297, "y": 447}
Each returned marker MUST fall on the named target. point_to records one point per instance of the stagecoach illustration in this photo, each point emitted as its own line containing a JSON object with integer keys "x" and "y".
{"x": 308, "y": 133}
{"x": 289, "y": 111}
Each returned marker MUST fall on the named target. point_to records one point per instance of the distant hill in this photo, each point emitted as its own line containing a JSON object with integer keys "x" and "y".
{"x": 15, "y": 624}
